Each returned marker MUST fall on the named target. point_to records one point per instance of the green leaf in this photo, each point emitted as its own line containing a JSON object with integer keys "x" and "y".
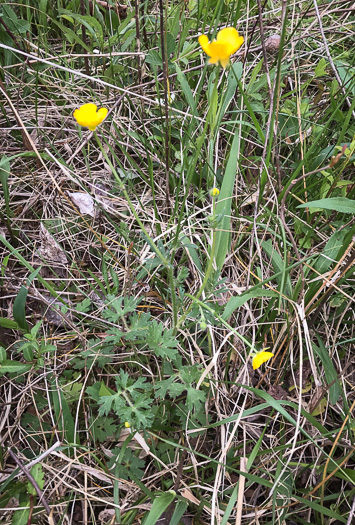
{"x": 239, "y": 300}
{"x": 224, "y": 204}
{"x": 8, "y": 323}
{"x": 329, "y": 371}
{"x": 131, "y": 402}
{"x": 278, "y": 266}
{"x": 70, "y": 35}
{"x": 38, "y": 476}
{"x": 131, "y": 463}
{"x": 64, "y": 418}
{"x": 20, "y": 517}
{"x": 320, "y": 69}
{"x": 186, "y": 89}
{"x": 162, "y": 387}
{"x": 154, "y": 59}
{"x": 84, "y": 306}
{"x": 16, "y": 25}
{"x": 3, "y": 354}
{"x": 162, "y": 343}
{"x": 102, "y": 428}
{"x": 195, "y": 398}
{"x": 13, "y": 367}
{"x": 4, "y": 175}
{"x": 19, "y": 312}
{"x": 160, "y": 504}
{"x": 341, "y": 204}
{"x": 117, "y": 307}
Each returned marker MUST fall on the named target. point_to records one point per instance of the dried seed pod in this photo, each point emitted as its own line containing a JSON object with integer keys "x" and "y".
{"x": 272, "y": 44}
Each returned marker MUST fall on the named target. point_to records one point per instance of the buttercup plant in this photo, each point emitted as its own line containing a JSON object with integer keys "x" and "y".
{"x": 165, "y": 297}
{"x": 220, "y": 50}
{"x": 89, "y": 116}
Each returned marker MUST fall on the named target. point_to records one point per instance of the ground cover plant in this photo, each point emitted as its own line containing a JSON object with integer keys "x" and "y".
{"x": 177, "y": 254}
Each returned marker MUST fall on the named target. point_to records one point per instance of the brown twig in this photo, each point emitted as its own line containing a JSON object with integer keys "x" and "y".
{"x": 31, "y": 479}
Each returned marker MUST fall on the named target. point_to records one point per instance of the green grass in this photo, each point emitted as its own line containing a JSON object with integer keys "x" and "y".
{"x": 132, "y": 301}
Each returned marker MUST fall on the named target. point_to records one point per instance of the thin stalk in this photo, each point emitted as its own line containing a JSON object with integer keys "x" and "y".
{"x": 166, "y": 95}
{"x": 164, "y": 261}
{"x": 173, "y": 297}
{"x": 208, "y": 269}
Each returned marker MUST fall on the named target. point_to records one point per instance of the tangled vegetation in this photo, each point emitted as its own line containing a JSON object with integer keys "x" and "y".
{"x": 177, "y": 256}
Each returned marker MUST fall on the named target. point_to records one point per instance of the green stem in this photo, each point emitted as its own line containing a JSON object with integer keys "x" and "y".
{"x": 122, "y": 187}
{"x": 173, "y": 297}
{"x": 164, "y": 261}
{"x": 227, "y": 325}
{"x": 208, "y": 269}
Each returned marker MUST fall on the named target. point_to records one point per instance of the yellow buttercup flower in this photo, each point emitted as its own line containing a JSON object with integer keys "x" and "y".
{"x": 88, "y": 116}
{"x": 214, "y": 192}
{"x": 228, "y": 42}
{"x": 260, "y": 358}
{"x": 127, "y": 425}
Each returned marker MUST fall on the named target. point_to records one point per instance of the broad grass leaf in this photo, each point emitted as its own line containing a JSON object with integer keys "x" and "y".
{"x": 4, "y": 175}
{"x": 64, "y": 418}
{"x": 235, "y": 72}
{"x": 186, "y": 89}
{"x": 340, "y": 204}
{"x": 329, "y": 370}
{"x": 180, "y": 508}
{"x": 224, "y": 204}
{"x": 19, "y": 312}
{"x": 160, "y": 504}
{"x": 239, "y": 300}
{"x": 320, "y": 509}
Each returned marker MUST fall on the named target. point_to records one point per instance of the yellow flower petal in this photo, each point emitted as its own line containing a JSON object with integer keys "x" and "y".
{"x": 230, "y": 36}
{"x": 224, "y": 62}
{"x": 213, "y": 60}
{"x": 228, "y": 42}
{"x": 203, "y": 41}
{"x": 261, "y": 358}
{"x": 88, "y": 116}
